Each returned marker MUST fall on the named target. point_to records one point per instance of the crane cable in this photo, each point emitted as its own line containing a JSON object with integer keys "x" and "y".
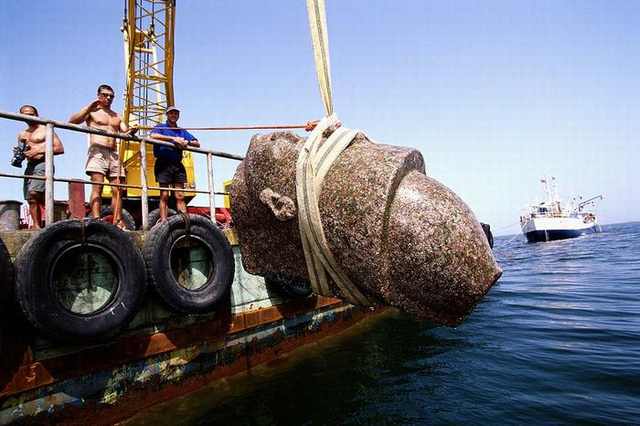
{"x": 314, "y": 161}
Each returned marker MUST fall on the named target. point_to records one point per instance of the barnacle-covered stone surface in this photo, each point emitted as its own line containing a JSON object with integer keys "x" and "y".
{"x": 354, "y": 206}
{"x": 268, "y": 244}
{"x": 402, "y": 237}
{"x": 434, "y": 234}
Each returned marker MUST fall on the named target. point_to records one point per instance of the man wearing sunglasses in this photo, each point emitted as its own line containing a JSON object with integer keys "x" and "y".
{"x": 103, "y": 159}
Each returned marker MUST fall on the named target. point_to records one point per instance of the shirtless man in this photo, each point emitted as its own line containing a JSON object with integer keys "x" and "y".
{"x": 34, "y": 137}
{"x": 103, "y": 159}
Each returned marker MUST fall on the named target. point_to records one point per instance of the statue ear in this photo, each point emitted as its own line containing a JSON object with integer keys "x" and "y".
{"x": 282, "y": 207}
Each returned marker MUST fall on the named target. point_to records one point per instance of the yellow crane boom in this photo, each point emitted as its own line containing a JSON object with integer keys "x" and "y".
{"x": 148, "y": 29}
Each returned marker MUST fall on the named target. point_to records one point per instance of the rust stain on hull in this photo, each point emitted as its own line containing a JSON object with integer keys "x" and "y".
{"x": 141, "y": 395}
{"x": 126, "y": 349}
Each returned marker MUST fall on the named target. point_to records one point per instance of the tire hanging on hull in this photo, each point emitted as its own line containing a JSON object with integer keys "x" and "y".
{"x": 106, "y": 214}
{"x": 80, "y": 280}
{"x": 6, "y": 279}
{"x": 189, "y": 262}
{"x": 154, "y": 216}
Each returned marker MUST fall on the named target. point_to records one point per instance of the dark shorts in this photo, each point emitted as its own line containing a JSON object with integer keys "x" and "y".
{"x": 169, "y": 172}
{"x": 33, "y": 185}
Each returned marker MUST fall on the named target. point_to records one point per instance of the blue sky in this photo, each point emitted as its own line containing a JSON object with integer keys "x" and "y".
{"x": 495, "y": 94}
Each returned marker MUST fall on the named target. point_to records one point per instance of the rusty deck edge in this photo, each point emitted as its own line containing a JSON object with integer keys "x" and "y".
{"x": 33, "y": 375}
{"x": 176, "y": 373}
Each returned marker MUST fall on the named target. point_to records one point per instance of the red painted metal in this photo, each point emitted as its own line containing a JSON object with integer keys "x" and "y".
{"x": 76, "y": 200}
{"x": 223, "y": 215}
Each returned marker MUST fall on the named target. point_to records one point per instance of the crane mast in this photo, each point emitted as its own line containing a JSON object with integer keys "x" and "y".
{"x": 148, "y": 30}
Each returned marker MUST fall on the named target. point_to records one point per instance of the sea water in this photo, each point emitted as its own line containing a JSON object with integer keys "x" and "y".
{"x": 556, "y": 341}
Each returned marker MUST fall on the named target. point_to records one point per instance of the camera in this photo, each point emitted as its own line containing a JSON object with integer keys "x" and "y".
{"x": 18, "y": 154}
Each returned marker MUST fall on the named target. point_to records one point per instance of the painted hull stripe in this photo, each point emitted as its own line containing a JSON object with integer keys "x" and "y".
{"x": 193, "y": 367}
{"x": 128, "y": 349}
{"x": 551, "y": 235}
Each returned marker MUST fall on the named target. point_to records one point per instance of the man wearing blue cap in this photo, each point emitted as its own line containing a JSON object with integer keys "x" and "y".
{"x": 169, "y": 170}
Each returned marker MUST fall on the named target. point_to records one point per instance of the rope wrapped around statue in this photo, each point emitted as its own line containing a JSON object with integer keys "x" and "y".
{"x": 387, "y": 234}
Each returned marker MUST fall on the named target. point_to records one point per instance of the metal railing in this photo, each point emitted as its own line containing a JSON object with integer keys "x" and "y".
{"x": 49, "y": 177}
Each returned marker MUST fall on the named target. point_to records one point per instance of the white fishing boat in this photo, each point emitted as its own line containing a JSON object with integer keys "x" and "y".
{"x": 551, "y": 220}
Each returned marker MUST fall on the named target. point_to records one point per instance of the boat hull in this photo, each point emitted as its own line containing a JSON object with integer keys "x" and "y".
{"x": 540, "y": 229}
{"x": 161, "y": 356}
{"x": 555, "y": 234}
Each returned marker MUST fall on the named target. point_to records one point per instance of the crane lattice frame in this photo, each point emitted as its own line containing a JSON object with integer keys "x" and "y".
{"x": 148, "y": 29}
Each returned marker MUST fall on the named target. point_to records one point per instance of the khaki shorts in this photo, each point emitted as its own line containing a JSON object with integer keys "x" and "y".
{"x": 105, "y": 161}
{"x": 33, "y": 185}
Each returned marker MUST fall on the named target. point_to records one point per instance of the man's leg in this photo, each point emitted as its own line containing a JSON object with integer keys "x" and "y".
{"x": 96, "y": 194}
{"x": 180, "y": 204}
{"x": 164, "y": 204}
{"x": 116, "y": 201}
{"x": 36, "y": 202}
{"x": 163, "y": 177}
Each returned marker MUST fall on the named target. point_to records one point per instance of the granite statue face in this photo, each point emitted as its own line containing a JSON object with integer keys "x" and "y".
{"x": 403, "y": 239}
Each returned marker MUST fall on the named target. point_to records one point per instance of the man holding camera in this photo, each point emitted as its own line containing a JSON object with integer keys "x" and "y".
{"x": 103, "y": 158}
{"x": 33, "y": 140}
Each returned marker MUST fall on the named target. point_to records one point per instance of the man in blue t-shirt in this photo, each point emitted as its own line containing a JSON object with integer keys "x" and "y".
{"x": 169, "y": 170}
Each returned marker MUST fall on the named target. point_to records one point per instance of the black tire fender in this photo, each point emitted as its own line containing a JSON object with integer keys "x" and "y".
{"x": 165, "y": 249}
{"x": 154, "y": 216}
{"x": 107, "y": 213}
{"x": 6, "y": 278}
{"x": 91, "y": 255}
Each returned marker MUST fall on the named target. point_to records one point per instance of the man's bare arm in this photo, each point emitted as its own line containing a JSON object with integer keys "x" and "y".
{"x": 194, "y": 143}
{"x": 128, "y": 130}
{"x": 177, "y": 140}
{"x": 83, "y": 115}
{"x": 57, "y": 145}
{"x": 35, "y": 151}
{"x": 160, "y": 137}
{"x": 123, "y": 127}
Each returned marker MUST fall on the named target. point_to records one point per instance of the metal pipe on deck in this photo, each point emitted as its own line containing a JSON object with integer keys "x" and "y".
{"x": 145, "y": 191}
{"x": 85, "y": 129}
{"x": 48, "y": 183}
{"x": 13, "y": 175}
{"x": 212, "y": 202}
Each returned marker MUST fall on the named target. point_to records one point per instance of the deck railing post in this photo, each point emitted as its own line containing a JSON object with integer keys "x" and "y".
{"x": 212, "y": 195}
{"x": 144, "y": 200}
{"x": 48, "y": 183}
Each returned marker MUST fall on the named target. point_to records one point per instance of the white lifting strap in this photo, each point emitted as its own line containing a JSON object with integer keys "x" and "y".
{"x": 320, "y": 40}
{"x": 313, "y": 164}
